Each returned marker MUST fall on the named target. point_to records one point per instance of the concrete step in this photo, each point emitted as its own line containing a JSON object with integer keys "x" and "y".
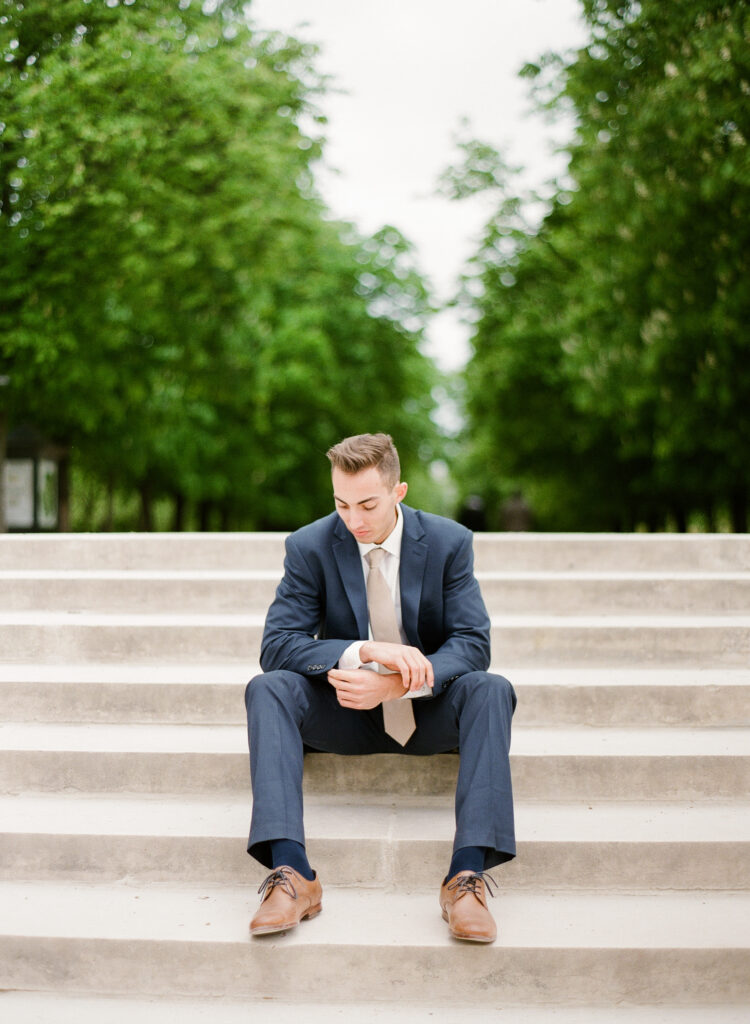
{"x": 59, "y": 637}
{"x": 602, "y": 552}
{"x": 139, "y": 552}
{"x": 708, "y": 642}
{"x": 140, "y": 592}
{"x": 114, "y": 692}
{"x": 44, "y": 1007}
{"x": 616, "y": 593}
{"x": 548, "y": 764}
{"x": 199, "y": 592}
{"x": 566, "y": 949}
{"x": 395, "y": 843}
{"x": 575, "y": 552}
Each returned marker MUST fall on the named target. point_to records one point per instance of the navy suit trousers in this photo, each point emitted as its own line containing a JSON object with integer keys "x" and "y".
{"x": 288, "y": 713}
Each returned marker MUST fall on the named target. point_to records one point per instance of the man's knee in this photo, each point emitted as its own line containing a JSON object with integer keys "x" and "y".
{"x": 270, "y": 687}
{"x": 487, "y": 687}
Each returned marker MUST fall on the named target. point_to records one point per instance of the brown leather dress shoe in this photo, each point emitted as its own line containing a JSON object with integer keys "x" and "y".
{"x": 463, "y": 900}
{"x": 287, "y": 899}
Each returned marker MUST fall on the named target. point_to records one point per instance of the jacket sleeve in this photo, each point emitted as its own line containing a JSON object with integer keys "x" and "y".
{"x": 466, "y": 647}
{"x": 294, "y": 619}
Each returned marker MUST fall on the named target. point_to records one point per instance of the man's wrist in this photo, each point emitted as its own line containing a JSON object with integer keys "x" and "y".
{"x": 396, "y": 689}
{"x": 365, "y": 655}
{"x": 352, "y": 656}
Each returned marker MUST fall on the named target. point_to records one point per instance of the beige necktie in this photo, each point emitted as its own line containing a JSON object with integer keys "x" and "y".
{"x": 398, "y": 715}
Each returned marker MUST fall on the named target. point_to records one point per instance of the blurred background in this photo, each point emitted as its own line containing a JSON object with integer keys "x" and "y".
{"x": 514, "y": 236}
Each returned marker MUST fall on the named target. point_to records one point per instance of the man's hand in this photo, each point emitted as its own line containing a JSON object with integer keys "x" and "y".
{"x": 413, "y": 666}
{"x": 361, "y": 688}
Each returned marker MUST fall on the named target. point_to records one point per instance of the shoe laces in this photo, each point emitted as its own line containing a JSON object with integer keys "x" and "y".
{"x": 280, "y": 876}
{"x": 472, "y": 883}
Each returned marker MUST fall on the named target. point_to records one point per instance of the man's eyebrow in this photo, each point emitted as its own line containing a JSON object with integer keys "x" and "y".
{"x": 363, "y": 502}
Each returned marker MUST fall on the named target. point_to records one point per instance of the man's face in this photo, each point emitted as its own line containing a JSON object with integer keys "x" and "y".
{"x": 366, "y": 504}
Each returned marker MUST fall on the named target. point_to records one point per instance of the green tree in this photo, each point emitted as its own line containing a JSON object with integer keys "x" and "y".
{"x": 174, "y": 302}
{"x": 637, "y": 278}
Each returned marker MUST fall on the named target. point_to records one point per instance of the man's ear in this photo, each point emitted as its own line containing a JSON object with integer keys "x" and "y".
{"x": 401, "y": 490}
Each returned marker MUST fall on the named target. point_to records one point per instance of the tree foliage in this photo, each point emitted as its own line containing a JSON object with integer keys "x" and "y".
{"x": 611, "y": 377}
{"x": 175, "y": 302}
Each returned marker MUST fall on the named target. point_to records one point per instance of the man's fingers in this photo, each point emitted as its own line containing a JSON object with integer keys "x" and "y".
{"x": 345, "y": 697}
{"x": 424, "y": 675}
{"x": 404, "y": 668}
{"x": 412, "y": 666}
{"x": 338, "y": 680}
{"x": 417, "y": 670}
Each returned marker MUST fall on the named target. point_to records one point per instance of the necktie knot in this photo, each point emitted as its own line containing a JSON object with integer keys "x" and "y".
{"x": 375, "y": 557}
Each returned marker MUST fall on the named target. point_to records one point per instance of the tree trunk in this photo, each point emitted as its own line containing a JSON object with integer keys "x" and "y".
{"x": 87, "y": 511}
{"x": 146, "y": 518}
{"x": 738, "y": 509}
{"x": 63, "y": 515}
{"x": 109, "y": 517}
{"x": 204, "y": 516}
{"x": 680, "y": 518}
{"x": 3, "y": 438}
{"x": 178, "y": 517}
{"x": 627, "y": 520}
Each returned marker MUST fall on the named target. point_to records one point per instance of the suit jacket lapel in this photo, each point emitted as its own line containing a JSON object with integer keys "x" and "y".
{"x": 346, "y": 553}
{"x": 411, "y": 572}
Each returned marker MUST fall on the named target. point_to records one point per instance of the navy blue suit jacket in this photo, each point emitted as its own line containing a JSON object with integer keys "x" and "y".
{"x": 320, "y": 606}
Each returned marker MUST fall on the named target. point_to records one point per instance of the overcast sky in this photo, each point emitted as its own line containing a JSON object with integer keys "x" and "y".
{"x": 406, "y": 72}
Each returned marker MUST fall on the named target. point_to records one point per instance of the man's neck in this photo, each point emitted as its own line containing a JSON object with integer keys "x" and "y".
{"x": 394, "y": 524}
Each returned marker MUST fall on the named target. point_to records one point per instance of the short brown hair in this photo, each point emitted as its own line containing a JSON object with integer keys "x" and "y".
{"x": 362, "y": 451}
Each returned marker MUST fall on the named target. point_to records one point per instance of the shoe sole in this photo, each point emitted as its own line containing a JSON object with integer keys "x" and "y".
{"x": 467, "y": 938}
{"x": 272, "y": 929}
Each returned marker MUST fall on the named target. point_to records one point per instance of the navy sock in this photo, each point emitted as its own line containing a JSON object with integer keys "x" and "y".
{"x": 286, "y": 852}
{"x": 468, "y": 858}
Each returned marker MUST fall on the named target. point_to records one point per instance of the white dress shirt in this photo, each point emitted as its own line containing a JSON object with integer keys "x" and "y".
{"x": 389, "y": 567}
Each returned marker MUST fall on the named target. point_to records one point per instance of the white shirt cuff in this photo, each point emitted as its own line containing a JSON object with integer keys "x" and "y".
{"x": 350, "y": 658}
{"x": 423, "y": 691}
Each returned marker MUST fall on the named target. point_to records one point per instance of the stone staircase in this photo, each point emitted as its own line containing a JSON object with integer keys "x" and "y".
{"x": 124, "y": 795}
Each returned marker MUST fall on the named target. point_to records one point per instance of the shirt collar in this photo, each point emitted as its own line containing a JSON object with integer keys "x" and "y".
{"x": 392, "y": 543}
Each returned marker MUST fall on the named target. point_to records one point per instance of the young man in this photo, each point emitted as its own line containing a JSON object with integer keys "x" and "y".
{"x": 378, "y": 586}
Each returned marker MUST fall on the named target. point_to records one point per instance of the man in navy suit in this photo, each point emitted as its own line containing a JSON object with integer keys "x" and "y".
{"x": 328, "y": 685}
